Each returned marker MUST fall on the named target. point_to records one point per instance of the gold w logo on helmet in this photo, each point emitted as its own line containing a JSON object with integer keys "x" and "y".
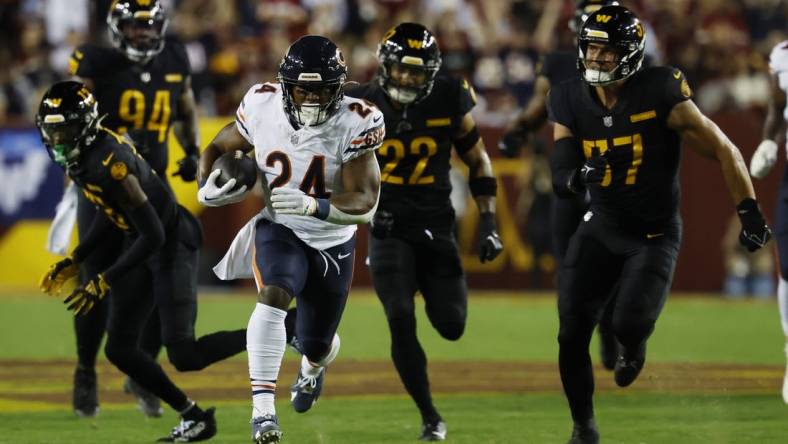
{"x": 144, "y": 2}
{"x": 53, "y": 102}
{"x": 602, "y": 18}
{"x": 415, "y": 44}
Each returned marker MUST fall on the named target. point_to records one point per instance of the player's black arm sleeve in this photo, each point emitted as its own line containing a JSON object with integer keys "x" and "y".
{"x": 565, "y": 162}
{"x": 96, "y": 234}
{"x": 150, "y": 237}
{"x": 185, "y": 126}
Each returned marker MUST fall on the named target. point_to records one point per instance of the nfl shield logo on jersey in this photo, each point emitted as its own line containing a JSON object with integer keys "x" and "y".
{"x": 608, "y": 121}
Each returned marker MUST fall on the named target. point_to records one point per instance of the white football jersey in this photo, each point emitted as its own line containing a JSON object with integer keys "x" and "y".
{"x": 309, "y": 158}
{"x": 778, "y": 63}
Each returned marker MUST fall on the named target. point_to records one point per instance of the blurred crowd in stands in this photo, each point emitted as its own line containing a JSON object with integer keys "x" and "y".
{"x": 721, "y": 45}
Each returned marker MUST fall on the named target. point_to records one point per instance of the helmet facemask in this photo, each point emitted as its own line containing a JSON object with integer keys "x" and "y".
{"x": 628, "y": 59}
{"x": 66, "y": 135}
{"x": 407, "y": 82}
{"x": 139, "y": 34}
{"x": 312, "y": 103}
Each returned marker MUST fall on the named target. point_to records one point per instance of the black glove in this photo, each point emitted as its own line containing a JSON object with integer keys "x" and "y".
{"x": 593, "y": 171}
{"x": 382, "y": 223}
{"x": 85, "y": 297}
{"x": 511, "y": 142}
{"x": 754, "y": 231}
{"x": 490, "y": 245}
{"x": 187, "y": 168}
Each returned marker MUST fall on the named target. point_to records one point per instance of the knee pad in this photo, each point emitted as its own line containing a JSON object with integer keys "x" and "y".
{"x": 184, "y": 356}
{"x": 314, "y": 350}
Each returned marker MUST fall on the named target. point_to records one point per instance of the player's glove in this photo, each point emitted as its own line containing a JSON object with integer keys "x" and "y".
{"x": 52, "y": 282}
{"x": 293, "y": 201}
{"x": 511, "y": 142}
{"x": 593, "y": 171}
{"x": 754, "y": 231}
{"x": 490, "y": 245}
{"x": 382, "y": 223}
{"x": 211, "y": 195}
{"x": 764, "y": 158}
{"x": 85, "y": 297}
{"x": 187, "y": 168}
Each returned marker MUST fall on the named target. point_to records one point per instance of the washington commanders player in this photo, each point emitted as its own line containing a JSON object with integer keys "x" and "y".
{"x": 155, "y": 269}
{"x": 567, "y": 212}
{"x": 618, "y": 130}
{"x": 413, "y": 246}
{"x": 143, "y": 87}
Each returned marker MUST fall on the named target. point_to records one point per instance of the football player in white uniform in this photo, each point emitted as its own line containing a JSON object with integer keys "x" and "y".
{"x": 315, "y": 148}
{"x": 762, "y": 162}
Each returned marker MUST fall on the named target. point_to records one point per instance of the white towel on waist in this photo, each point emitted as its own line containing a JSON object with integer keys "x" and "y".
{"x": 237, "y": 262}
{"x": 65, "y": 216}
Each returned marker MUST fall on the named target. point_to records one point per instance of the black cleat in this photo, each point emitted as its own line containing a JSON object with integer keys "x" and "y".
{"x": 84, "y": 398}
{"x": 584, "y": 433}
{"x": 147, "y": 402}
{"x": 193, "y": 430}
{"x": 433, "y": 431}
{"x": 608, "y": 349}
{"x": 629, "y": 365}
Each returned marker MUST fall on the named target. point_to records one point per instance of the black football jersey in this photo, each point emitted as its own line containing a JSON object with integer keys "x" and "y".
{"x": 640, "y": 189}
{"x": 559, "y": 66}
{"x": 104, "y": 164}
{"x": 415, "y": 157}
{"x": 140, "y": 100}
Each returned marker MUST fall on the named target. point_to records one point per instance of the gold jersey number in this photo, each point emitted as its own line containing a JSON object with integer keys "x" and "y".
{"x": 116, "y": 218}
{"x": 600, "y": 146}
{"x": 424, "y": 147}
{"x": 132, "y": 110}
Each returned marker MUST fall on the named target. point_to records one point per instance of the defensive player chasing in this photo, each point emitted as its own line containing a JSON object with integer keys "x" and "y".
{"x": 413, "y": 246}
{"x": 617, "y": 133}
{"x": 566, "y": 212}
{"x": 315, "y": 148}
{"x": 155, "y": 269}
{"x": 762, "y": 162}
{"x": 143, "y": 86}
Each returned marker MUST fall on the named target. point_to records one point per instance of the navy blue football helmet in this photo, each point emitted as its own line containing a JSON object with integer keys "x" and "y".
{"x": 137, "y": 28}
{"x": 315, "y": 70}
{"x": 413, "y": 47}
{"x": 68, "y": 121}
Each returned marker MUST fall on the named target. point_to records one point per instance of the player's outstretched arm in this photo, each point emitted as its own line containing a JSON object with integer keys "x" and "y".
{"x": 765, "y": 155}
{"x": 482, "y": 184}
{"x": 186, "y": 131}
{"x": 705, "y": 137}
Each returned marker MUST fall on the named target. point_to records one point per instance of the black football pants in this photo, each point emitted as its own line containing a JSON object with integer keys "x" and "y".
{"x": 601, "y": 256}
{"x": 430, "y": 264}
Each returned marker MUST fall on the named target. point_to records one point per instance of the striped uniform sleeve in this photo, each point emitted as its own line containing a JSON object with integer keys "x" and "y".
{"x": 369, "y": 136}
{"x": 244, "y": 115}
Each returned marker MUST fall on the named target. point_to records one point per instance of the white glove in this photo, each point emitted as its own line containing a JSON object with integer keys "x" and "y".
{"x": 293, "y": 201}
{"x": 211, "y": 195}
{"x": 763, "y": 160}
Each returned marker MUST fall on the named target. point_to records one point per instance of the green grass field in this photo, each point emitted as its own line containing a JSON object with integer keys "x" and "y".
{"x": 713, "y": 375}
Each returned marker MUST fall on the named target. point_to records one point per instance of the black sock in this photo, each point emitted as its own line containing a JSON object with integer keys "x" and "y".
{"x": 193, "y": 412}
{"x": 411, "y": 364}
